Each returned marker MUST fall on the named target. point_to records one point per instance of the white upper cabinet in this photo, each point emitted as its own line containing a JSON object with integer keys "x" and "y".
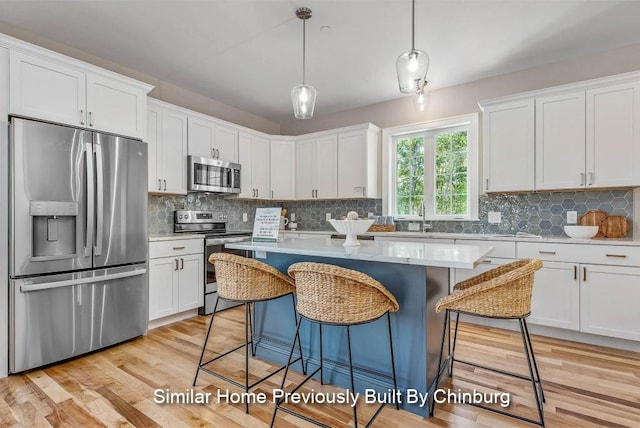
{"x": 210, "y": 139}
{"x": 317, "y": 168}
{"x": 254, "y": 163}
{"x": 613, "y": 136}
{"x": 282, "y": 169}
{"x": 509, "y": 146}
{"x": 167, "y": 139}
{"x": 358, "y": 163}
{"x": 65, "y": 92}
{"x": 560, "y": 141}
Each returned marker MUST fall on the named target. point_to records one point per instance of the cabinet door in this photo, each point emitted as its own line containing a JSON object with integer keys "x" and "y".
{"x": 174, "y": 148}
{"x": 613, "y": 136}
{"x": 115, "y": 106}
{"x": 560, "y": 141}
{"x": 556, "y": 296}
{"x": 245, "y": 156}
{"x": 46, "y": 90}
{"x": 191, "y": 282}
{"x": 202, "y": 134}
{"x": 260, "y": 167}
{"x": 282, "y": 169}
{"x": 352, "y": 165}
{"x": 154, "y": 132}
{"x": 163, "y": 290}
{"x": 326, "y": 170}
{"x": 306, "y": 162}
{"x": 508, "y": 161}
{"x": 226, "y": 144}
{"x": 609, "y": 297}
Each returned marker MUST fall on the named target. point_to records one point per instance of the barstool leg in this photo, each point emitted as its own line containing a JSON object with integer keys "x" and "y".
{"x": 286, "y": 370}
{"x": 247, "y": 326}
{"x": 295, "y": 317}
{"x": 206, "y": 339}
{"x": 393, "y": 362}
{"x": 533, "y": 381}
{"x": 353, "y": 386}
{"x": 533, "y": 358}
{"x": 453, "y": 349}
{"x": 321, "y": 358}
{"x": 444, "y": 332}
{"x": 252, "y": 319}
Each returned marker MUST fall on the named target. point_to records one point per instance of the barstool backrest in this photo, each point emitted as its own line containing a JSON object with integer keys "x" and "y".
{"x": 503, "y": 292}
{"x": 243, "y": 279}
{"x": 333, "y": 294}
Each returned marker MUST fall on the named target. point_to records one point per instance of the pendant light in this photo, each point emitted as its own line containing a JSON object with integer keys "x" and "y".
{"x": 420, "y": 99}
{"x": 303, "y": 96}
{"x": 412, "y": 65}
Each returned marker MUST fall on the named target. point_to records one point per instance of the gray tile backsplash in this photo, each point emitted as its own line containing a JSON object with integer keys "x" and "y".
{"x": 541, "y": 213}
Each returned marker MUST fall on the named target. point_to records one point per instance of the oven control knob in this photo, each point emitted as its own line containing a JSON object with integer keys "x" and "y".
{"x": 180, "y": 216}
{"x": 186, "y": 216}
{"x": 224, "y": 217}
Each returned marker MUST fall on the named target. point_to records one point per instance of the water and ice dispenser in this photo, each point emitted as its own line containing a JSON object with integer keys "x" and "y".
{"x": 54, "y": 230}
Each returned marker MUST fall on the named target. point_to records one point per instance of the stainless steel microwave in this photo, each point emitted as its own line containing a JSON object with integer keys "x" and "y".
{"x": 212, "y": 175}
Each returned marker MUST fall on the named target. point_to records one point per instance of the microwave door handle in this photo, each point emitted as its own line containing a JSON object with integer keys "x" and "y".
{"x": 99, "y": 198}
{"x": 88, "y": 244}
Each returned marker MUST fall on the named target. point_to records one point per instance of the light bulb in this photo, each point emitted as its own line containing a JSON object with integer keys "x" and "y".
{"x": 413, "y": 62}
{"x": 304, "y": 95}
{"x": 421, "y": 98}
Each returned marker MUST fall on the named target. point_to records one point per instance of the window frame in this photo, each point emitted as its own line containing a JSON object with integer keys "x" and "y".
{"x": 389, "y": 166}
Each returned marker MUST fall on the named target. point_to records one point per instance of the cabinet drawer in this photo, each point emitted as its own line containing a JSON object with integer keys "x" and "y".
{"x": 178, "y": 247}
{"x": 618, "y": 255}
{"x": 504, "y": 249}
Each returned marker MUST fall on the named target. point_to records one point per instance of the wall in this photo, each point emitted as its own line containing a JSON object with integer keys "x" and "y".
{"x": 163, "y": 90}
{"x": 542, "y": 213}
{"x": 463, "y": 99}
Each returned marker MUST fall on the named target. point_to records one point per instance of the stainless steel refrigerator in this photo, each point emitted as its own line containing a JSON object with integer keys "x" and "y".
{"x": 79, "y": 246}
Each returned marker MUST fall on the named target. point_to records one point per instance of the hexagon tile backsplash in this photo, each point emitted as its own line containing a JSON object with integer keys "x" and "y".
{"x": 542, "y": 213}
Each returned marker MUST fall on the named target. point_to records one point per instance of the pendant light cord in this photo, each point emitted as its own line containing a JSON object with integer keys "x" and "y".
{"x": 413, "y": 25}
{"x": 304, "y": 50}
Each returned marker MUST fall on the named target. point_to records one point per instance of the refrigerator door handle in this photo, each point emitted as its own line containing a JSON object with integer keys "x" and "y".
{"x": 56, "y": 284}
{"x": 88, "y": 245}
{"x": 99, "y": 199}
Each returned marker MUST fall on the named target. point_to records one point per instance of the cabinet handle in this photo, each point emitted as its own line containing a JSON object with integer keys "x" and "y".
{"x": 81, "y": 117}
{"x": 272, "y": 194}
{"x": 90, "y": 118}
{"x": 179, "y": 248}
{"x": 619, "y": 256}
{"x": 584, "y": 273}
{"x": 218, "y": 153}
{"x": 590, "y": 177}
{"x": 575, "y": 272}
{"x": 257, "y": 193}
{"x": 159, "y": 184}
{"x": 486, "y": 261}
{"x": 553, "y": 253}
{"x": 181, "y": 263}
{"x": 176, "y": 264}
{"x": 165, "y": 184}
{"x": 486, "y": 184}
{"x": 213, "y": 152}
{"x": 582, "y": 179}
{"x": 363, "y": 190}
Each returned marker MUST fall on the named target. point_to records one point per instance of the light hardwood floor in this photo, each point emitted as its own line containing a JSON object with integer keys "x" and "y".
{"x": 585, "y": 386}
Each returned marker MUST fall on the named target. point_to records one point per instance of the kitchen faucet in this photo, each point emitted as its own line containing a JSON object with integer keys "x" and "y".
{"x": 425, "y": 226}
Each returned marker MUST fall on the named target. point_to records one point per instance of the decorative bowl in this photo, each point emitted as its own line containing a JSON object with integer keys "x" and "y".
{"x": 351, "y": 228}
{"x": 584, "y": 232}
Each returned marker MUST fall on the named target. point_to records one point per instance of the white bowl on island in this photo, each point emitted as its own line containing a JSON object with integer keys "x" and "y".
{"x": 351, "y": 228}
{"x": 584, "y": 232}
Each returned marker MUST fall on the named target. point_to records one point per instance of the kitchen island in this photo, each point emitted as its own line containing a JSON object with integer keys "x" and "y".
{"x": 417, "y": 274}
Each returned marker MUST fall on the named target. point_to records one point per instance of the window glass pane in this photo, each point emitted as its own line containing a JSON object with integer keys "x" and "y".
{"x": 459, "y": 183}
{"x": 443, "y": 204}
{"x": 459, "y": 141}
{"x": 402, "y": 205}
{"x": 459, "y": 204}
{"x": 410, "y": 175}
{"x": 404, "y": 187}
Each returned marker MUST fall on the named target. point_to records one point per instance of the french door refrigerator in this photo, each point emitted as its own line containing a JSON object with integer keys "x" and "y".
{"x": 78, "y": 232}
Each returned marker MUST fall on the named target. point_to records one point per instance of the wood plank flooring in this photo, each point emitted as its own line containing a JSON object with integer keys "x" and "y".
{"x": 585, "y": 386}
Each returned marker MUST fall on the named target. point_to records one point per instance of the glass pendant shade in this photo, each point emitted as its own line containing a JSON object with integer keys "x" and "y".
{"x": 303, "y": 97}
{"x": 412, "y": 68}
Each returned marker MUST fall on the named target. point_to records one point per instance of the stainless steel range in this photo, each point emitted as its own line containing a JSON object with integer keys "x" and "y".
{"x": 213, "y": 225}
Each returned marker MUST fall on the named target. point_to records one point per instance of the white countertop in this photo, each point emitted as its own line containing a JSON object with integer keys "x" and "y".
{"x": 417, "y": 253}
{"x": 174, "y": 236}
{"x": 486, "y": 237}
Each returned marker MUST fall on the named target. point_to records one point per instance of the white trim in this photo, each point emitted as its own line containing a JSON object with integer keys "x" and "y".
{"x": 388, "y": 170}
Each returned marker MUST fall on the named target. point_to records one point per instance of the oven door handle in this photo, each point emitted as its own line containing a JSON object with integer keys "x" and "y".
{"x": 222, "y": 241}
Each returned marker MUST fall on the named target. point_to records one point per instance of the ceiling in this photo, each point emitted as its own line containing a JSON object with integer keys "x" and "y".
{"x": 248, "y": 53}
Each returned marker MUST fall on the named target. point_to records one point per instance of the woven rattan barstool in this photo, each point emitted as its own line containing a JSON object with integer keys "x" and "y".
{"x": 245, "y": 280}
{"x": 503, "y": 293}
{"x": 333, "y": 295}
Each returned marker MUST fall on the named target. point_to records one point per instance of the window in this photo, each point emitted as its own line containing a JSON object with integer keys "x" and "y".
{"x": 432, "y": 167}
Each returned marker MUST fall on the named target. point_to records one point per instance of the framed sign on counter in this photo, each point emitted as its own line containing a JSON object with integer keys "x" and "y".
{"x": 266, "y": 225}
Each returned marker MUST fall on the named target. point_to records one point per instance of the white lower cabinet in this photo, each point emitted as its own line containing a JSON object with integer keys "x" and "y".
{"x": 556, "y": 296}
{"x": 176, "y": 277}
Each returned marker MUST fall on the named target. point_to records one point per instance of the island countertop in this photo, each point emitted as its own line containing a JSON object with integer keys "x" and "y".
{"x": 414, "y": 253}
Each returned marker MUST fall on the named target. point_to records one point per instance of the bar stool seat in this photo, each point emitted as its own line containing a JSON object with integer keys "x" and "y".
{"x": 501, "y": 293}
{"x": 333, "y": 295}
{"x": 246, "y": 280}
